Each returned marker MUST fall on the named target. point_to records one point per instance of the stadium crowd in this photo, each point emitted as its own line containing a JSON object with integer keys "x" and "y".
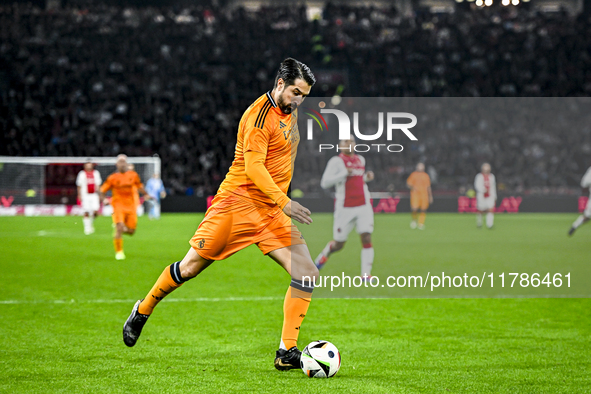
{"x": 100, "y": 80}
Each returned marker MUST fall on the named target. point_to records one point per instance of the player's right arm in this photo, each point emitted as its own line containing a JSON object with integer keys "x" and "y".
{"x": 79, "y": 186}
{"x": 410, "y": 181}
{"x": 140, "y": 187}
{"x": 479, "y": 183}
{"x": 334, "y": 173}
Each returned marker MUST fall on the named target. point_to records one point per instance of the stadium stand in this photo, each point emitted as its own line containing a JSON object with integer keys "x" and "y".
{"x": 99, "y": 80}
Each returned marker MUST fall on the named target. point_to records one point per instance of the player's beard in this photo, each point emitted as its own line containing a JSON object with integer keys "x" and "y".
{"x": 286, "y": 108}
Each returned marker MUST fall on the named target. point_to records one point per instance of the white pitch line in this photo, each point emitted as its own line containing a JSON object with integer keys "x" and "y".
{"x": 234, "y": 299}
{"x": 120, "y": 301}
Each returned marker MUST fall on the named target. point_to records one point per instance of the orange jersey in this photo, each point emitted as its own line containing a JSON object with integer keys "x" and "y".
{"x": 122, "y": 186}
{"x": 264, "y": 128}
{"x": 419, "y": 181}
{"x": 136, "y": 195}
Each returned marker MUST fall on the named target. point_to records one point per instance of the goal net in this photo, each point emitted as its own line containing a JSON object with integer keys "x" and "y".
{"x": 52, "y": 180}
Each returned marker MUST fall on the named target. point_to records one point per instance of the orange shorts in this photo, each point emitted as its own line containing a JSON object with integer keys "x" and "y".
{"x": 235, "y": 223}
{"x": 126, "y": 215}
{"x": 419, "y": 201}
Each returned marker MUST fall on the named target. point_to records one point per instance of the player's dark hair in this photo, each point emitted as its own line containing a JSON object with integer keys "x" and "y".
{"x": 291, "y": 69}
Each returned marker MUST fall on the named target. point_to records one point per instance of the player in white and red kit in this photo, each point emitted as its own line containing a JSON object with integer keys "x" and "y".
{"x": 486, "y": 195}
{"x": 586, "y": 216}
{"x": 88, "y": 183}
{"x": 346, "y": 172}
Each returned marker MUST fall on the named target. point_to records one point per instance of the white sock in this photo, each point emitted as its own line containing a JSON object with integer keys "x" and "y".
{"x": 325, "y": 252}
{"x": 367, "y": 255}
{"x": 490, "y": 218}
{"x": 282, "y": 345}
{"x": 87, "y": 223}
{"x": 579, "y": 221}
{"x": 479, "y": 219}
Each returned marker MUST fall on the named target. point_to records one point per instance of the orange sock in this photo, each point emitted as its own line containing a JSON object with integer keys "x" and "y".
{"x": 422, "y": 217}
{"x": 118, "y": 242}
{"x": 414, "y": 216}
{"x": 296, "y": 303}
{"x": 169, "y": 280}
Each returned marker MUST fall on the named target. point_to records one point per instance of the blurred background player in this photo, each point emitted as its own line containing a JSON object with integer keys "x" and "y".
{"x": 421, "y": 196}
{"x": 584, "y": 218}
{"x": 155, "y": 189}
{"x": 346, "y": 173}
{"x": 88, "y": 182}
{"x": 121, "y": 183}
{"x": 486, "y": 195}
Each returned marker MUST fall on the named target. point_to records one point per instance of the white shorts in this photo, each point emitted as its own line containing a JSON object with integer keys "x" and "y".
{"x": 91, "y": 203}
{"x": 485, "y": 203}
{"x": 587, "y": 211}
{"x": 345, "y": 218}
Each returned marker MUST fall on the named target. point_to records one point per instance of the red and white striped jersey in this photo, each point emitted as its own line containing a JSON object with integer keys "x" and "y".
{"x": 486, "y": 186}
{"x": 350, "y": 189}
{"x": 89, "y": 182}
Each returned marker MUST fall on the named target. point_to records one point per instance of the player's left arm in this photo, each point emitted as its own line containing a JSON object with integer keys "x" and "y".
{"x": 105, "y": 188}
{"x": 429, "y": 191}
{"x": 97, "y": 178}
{"x": 140, "y": 188}
{"x": 255, "y": 153}
{"x": 336, "y": 171}
{"x": 493, "y": 187}
{"x": 410, "y": 182}
{"x": 369, "y": 175}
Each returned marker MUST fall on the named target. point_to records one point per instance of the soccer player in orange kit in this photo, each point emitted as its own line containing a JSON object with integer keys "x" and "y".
{"x": 122, "y": 183}
{"x": 421, "y": 196}
{"x": 252, "y": 207}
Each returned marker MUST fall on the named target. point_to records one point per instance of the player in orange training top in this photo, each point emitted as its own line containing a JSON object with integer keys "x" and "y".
{"x": 122, "y": 184}
{"x": 252, "y": 207}
{"x": 419, "y": 184}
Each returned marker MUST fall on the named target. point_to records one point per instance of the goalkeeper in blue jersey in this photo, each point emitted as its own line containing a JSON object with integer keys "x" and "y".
{"x": 155, "y": 188}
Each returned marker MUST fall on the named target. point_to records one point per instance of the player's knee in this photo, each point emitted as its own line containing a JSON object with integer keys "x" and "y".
{"x": 315, "y": 273}
{"x": 131, "y": 231}
{"x": 337, "y": 246}
{"x": 189, "y": 271}
{"x": 312, "y": 273}
{"x": 366, "y": 238}
{"x": 192, "y": 265}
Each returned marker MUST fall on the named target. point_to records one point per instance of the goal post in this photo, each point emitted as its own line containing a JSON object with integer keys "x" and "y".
{"x": 52, "y": 180}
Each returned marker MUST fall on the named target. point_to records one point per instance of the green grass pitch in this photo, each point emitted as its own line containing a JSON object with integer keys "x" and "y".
{"x": 64, "y": 300}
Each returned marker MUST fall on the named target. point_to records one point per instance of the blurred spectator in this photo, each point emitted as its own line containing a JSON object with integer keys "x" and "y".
{"x": 100, "y": 80}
